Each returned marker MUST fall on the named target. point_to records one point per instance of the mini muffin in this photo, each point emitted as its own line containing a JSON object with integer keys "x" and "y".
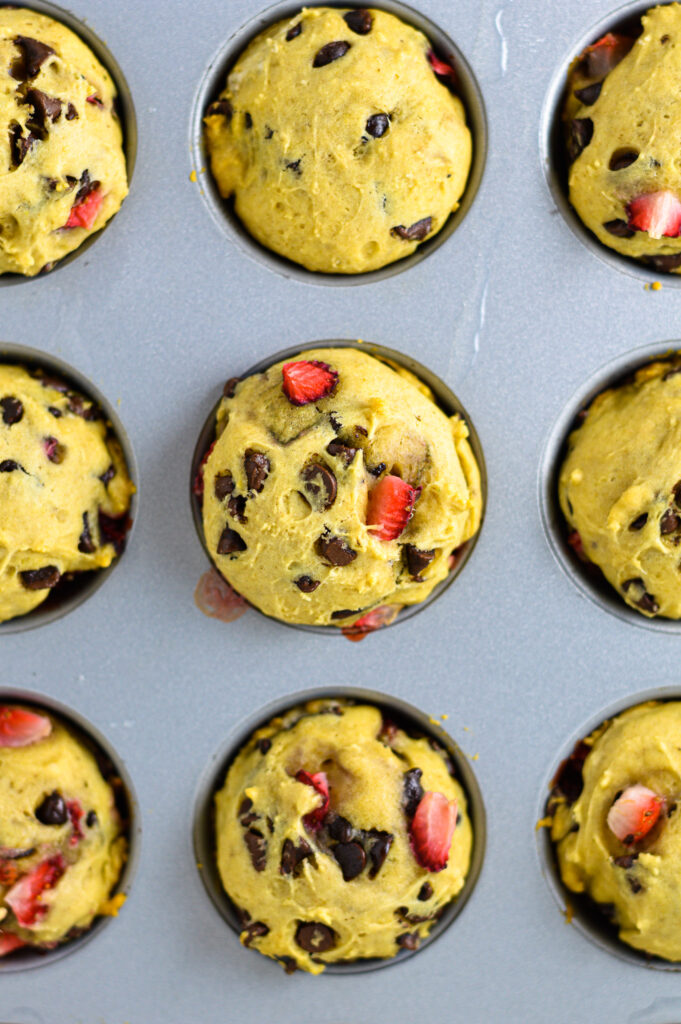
{"x": 338, "y": 141}
{"x": 622, "y": 118}
{"x": 64, "y": 488}
{"x": 61, "y": 152}
{"x": 339, "y": 836}
{"x": 616, "y": 827}
{"x": 620, "y": 488}
{"x": 335, "y": 488}
{"x": 62, "y": 843}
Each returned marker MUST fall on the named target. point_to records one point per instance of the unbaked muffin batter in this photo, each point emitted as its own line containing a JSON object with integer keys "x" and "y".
{"x": 339, "y": 144}
{"x": 317, "y": 878}
{"x": 62, "y": 167}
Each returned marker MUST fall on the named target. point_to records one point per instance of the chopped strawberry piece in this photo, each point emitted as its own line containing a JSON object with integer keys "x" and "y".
{"x": 375, "y": 619}
{"x": 320, "y": 783}
{"x": 84, "y": 214}
{"x": 575, "y": 541}
{"x": 75, "y": 813}
{"x": 431, "y": 830}
{"x": 197, "y": 486}
{"x": 215, "y": 598}
{"x": 308, "y": 380}
{"x": 634, "y": 813}
{"x": 440, "y": 67}
{"x": 24, "y": 896}
{"x": 605, "y": 54}
{"x": 391, "y": 506}
{"x": 94, "y": 100}
{"x": 657, "y": 213}
{"x": 20, "y": 728}
{"x": 9, "y": 942}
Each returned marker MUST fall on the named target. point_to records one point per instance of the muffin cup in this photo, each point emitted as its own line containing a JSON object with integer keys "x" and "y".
{"x": 555, "y": 163}
{"x": 69, "y": 595}
{"x": 445, "y": 399}
{"x": 126, "y": 800}
{"x": 222, "y": 211}
{"x": 404, "y": 715}
{"x": 586, "y": 576}
{"x": 583, "y": 912}
{"x": 124, "y": 108}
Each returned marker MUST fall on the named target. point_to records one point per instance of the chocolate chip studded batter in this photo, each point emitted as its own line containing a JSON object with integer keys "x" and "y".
{"x": 64, "y": 488}
{"x": 62, "y": 167}
{"x": 339, "y": 144}
{"x": 340, "y": 837}
{"x": 336, "y": 485}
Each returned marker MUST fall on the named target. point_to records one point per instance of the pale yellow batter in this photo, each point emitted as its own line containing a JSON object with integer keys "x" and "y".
{"x": 60, "y": 142}
{"x": 60, "y": 467}
{"x": 341, "y": 148}
{"x": 293, "y": 877}
{"x": 377, "y": 421}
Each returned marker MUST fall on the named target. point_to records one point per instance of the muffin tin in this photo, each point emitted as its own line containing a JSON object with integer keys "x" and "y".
{"x": 515, "y": 315}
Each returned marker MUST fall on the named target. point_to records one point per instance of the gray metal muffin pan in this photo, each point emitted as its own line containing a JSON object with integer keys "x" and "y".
{"x": 515, "y": 315}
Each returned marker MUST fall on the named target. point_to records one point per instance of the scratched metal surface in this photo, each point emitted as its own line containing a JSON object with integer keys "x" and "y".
{"x": 514, "y": 313}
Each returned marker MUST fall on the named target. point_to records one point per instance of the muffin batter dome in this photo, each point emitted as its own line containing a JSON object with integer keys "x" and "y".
{"x": 62, "y": 167}
{"x": 341, "y": 148}
{"x": 318, "y": 836}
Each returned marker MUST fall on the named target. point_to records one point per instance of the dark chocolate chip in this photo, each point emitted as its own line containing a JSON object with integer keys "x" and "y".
{"x": 244, "y": 806}
{"x": 669, "y": 522}
{"x": 113, "y": 530}
{"x": 341, "y": 451}
{"x": 622, "y": 158}
{"x": 9, "y": 466}
{"x": 338, "y": 827}
{"x": 619, "y": 228}
{"x": 53, "y": 810}
{"x": 223, "y": 485}
{"x": 108, "y": 474}
{"x": 12, "y": 853}
{"x": 71, "y": 112}
{"x": 626, "y": 861}
{"x": 91, "y": 819}
{"x": 230, "y": 387}
{"x": 648, "y": 604}
{"x": 257, "y": 847}
{"x": 12, "y": 410}
{"x": 236, "y": 506}
{"x": 378, "y": 850}
{"x": 345, "y": 613}
{"x": 257, "y": 468}
{"x": 264, "y": 745}
{"x": 315, "y": 937}
{"x": 335, "y": 550}
{"x": 40, "y": 579}
{"x": 676, "y": 491}
{"x": 580, "y": 134}
{"x": 85, "y": 542}
{"x": 415, "y": 232}
{"x": 409, "y": 940}
{"x": 294, "y": 165}
{"x": 230, "y": 542}
{"x": 320, "y": 485}
{"x": 377, "y": 125}
{"x": 254, "y": 930}
{"x": 33, "y": 56}
{"x": 360, "y": 21}
{"x": 87, "y": 185}
{"x": 412, "y": 791}
{"x": 569, "y": 780}
{"x": 663, "y": 262}
{"x": 19, "y": 144}
{"x": 294, "y": 31}
{"x": 417, "y": 560}
{"x": 377, "y": 470}
{"x": 330, "y": 52}
{"x": 290, "y": 965}
{"x": 307, "y": 584}
{"x": 639, "y": 522}
{"x": 248, "y": 120}
{"x": 589, "y": 94}
{"x": 269, "y": 132}
{"x": 221, "y": 107}
{"x": 292, "y": 856}
{"x": 45, "y": 108}
{"x": 634, "y": 884}
{"x": 351, "y": 858}
{"x": 361, "y": 431}
{"x": 425, "y": 892}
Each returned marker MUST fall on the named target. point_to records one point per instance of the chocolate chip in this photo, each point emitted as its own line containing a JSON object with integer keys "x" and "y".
{"x": 626, "y": 861}
{"x": 634, "y": 884}
{"x": 580, "y": 133}
{"x": 417, "y": 560}
{"x": 71, "y": 112}
{"x": 269, "y": 132}
{"x": 307, "y": 584}
{"x": 589, "y": 94}
{"x": 646, "y": 602}
{"x": 294, "y": 31}
{"x": 33, "y": 56}
{"x": 254, "y": 930}
{"x": 264, "y": 744}
{"x": 19, "y": 144}
{"x": 409, "y": 940}
{"x": 335, "y": 550}
{"x": 330, "y": 52}
{"x": 315, "y": 937}
{"x": 236, "y": 506}
{"x": 425, "y": 892}
{"x": 292, "y": 856}
{"x": 338, "y": 827}
{"x": 341, "y": 451}
{"x": 52, "y": 811}
{"x": 248, "y": 120}
{"x": 569, "y": 780}
{"x": 415, "y": 232}
{"x": 45, "y": 108}
{"x": 12, "y": 853}
{"x": 345, "y": 613}
{"x": 257, "y": 847}
{"x": 54, "y": 451}
{"x": 639, "y": 522}
{"x": 230, "y": 542}
{"x": 619, "y": 228}
{"x": 87, "y": 185}
{"x": 40, "y": 579}
{"x": 663, "y": 262}
{"x": 230, "y": 387}
{"x": 360, "y": 21}
{"x": 622, "y": 158}
{"x": 9, "y": 466}
{"x": 290, "y": 965}
{"x": 113, "y": 530}
{"x": 244, "y": 807}
{"x": 257, "y": 468}
{"x": 377, "y": 125}
{"x": 320, "y": 485}
{"x": 361, "y": 431}
{"x": 12, "y": 410}
{"x": 378, "y": 850}
{"x": 223, "y": 485}
{"x": 669, "y": 522}
{"x": 294, "y": 165}
{"x": 108, "y": 474}
{"x": 412, "y": 791}
{"x": 85, "y": 542}
{"x": 221, "y": 107}
{"x": 91, "y": 819}
{"x": 351, "y": 858}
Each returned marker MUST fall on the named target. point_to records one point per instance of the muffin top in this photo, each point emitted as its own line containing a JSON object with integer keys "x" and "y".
{"x": 339, "y": 836}
{"x": 341, "y": 148}
{"x": 320, "y": 511}
{"x": 62, "y": 165}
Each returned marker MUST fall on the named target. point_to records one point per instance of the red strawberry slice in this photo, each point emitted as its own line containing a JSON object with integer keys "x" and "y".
{"x": 24, "y": 896}
{"x": 391, "y": 506}
{"x": 20, "y": 728}
{"x": 94, "y": 100}
{"x": 604, "y": 55}
{"x": 440, "y": 67}
{"x": 373, "y": 620}
{"x": 320, "y": 783}
{"x": 84, "y": 214}
{"x": 308, "y": 380}
{"x": 431, "y": 830}
{"x": 9, "y": 942}
{"x": 197, "y": 486}
{"x": 575, "y": 541}
{"x": 75, "y": 813}
{"x": 215, "y": 598}
{"x": 657, "y": 213}
{"x": 634, "y": 813}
